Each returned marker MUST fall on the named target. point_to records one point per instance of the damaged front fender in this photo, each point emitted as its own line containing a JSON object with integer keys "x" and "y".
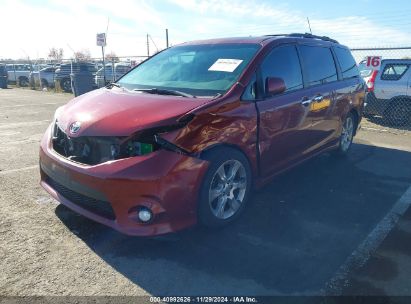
{"x": 232, "y": 123}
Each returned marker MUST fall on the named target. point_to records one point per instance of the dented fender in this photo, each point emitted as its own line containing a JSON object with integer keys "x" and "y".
{"x": 232, "y": 123}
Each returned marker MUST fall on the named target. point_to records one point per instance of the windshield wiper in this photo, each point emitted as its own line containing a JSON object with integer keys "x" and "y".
{"x": 165, "y": 92}
{"x": 113, "y": 84}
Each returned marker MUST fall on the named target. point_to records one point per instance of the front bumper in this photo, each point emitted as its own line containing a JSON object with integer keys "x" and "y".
{"x": 111, "y": 193}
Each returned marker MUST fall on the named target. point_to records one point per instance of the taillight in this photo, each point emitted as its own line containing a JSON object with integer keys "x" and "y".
{"x": 371, "y": 81}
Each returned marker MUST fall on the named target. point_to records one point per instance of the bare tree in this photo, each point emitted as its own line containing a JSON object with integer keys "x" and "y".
{"x": 82, "y": 55}
{"x": 56, "y": 54}
{"x": 112, "y": 57}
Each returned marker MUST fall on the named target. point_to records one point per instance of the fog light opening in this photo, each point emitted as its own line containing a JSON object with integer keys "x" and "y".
{"x": 145, "y": 215}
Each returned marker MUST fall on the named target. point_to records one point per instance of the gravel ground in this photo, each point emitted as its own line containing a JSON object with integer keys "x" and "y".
{"x": 294, "y": 236}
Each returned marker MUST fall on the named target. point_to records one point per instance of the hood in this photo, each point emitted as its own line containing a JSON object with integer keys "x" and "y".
{"x": 117, "y": 112}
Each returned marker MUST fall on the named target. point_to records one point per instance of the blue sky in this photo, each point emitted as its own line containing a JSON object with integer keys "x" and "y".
{"x": 35, "y": 25}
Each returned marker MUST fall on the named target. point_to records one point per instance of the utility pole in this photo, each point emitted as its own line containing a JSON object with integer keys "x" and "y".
{"x": 148, "y": 47}
{"x": 104, "y": 66}
{"x": 167, "y": 38}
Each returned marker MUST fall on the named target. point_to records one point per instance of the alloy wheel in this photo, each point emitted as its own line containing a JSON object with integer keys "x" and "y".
{"x": 347, "y": 134}
{"x": 227, "y": 190}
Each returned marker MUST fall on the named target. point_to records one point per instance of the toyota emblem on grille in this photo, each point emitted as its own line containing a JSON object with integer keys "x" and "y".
{"x": 75, "y": 127}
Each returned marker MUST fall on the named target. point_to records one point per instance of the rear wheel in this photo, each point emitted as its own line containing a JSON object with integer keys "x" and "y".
{"x": 347, "y": 135}
{"x": 24, "y": 82}
{"x": 226, "y": 187}
{"x": 66, "y": 85}
{"x": 44, "y": 83}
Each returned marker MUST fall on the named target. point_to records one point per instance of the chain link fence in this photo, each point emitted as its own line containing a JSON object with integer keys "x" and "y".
{"x": 388, "y": 101}
{"x": 55, "y": 75}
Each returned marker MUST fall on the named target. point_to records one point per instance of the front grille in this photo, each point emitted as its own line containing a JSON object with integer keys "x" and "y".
{"x": 101, "y": 208}
{"x": 90, "y": 150}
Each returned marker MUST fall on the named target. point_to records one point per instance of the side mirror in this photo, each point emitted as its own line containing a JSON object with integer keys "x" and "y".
{"x": 274, "y": 85}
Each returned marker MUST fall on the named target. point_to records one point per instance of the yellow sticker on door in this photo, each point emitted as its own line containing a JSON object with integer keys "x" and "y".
{"x": 320, "y": 105}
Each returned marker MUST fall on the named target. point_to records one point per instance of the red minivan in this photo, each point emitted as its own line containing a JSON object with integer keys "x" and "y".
{"x": 186, "y": 135}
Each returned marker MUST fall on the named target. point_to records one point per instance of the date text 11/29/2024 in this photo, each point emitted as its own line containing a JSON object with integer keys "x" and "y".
{"x": 207, "y": 299}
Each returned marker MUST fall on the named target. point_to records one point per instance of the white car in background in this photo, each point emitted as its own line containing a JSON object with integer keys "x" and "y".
{"x": 46, "y": 75}
{"x": 19, "y": 73}
{"x": 389, "y": 91}
{"x": 120, "y": 68}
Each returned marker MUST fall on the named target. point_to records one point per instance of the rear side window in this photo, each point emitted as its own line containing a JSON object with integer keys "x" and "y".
{"x": 347, "y": 63}
{"x": 319, "y": 64}
{"x": 283, "y": 63}
{"x": 394, "y": 71}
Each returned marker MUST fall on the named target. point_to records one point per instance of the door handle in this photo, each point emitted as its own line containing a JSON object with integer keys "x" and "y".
{"x": 318, "y": 98}
{"x": 306, "y": 101}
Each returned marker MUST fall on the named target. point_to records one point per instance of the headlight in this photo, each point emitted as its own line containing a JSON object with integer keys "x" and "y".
{"x": 135, "y": 148}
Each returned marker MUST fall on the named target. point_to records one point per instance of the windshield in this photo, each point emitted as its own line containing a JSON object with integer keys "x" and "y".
{"x": 200, "y": 70}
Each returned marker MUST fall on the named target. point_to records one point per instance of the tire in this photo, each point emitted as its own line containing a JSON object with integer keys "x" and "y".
{"x": 44, "y": 83}
{"x": 65, "y": 84}
{"x": 347, "y": 135}
{"x": 24, "y": 82}
{"x": 399, "y": 112}
{"x": 223, "y": 196}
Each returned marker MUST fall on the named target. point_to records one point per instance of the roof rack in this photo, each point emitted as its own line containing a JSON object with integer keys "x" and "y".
{"x": 306, "y": 35}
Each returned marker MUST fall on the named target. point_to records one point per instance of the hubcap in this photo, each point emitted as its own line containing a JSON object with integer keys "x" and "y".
{"x": 227, "y": 189}
{"x": 347, "y": 134}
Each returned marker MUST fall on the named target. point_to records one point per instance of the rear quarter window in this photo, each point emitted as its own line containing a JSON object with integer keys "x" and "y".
{"x": 394, "y": 71}
{"x": 347, "y": 63}
{"x": 319, "y": 65}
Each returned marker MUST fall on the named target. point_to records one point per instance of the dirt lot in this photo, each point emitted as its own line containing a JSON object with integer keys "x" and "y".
{"x": 296, "y": 235}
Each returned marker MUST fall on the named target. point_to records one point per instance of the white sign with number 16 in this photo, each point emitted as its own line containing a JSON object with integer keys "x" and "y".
{"x": 373, "y": 62}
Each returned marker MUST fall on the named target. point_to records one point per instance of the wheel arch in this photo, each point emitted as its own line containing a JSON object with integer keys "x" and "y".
{"x": 218, "y": 146}
{"x": 356, "y": 116}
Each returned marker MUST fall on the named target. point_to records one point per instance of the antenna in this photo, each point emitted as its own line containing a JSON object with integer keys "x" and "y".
{"x": 309, "y": 26}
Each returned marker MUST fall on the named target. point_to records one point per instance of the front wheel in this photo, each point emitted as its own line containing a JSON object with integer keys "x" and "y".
{"x": 347, "y": 135}
{"x": 66, "y": 85}
{"x": 226, "y": 187}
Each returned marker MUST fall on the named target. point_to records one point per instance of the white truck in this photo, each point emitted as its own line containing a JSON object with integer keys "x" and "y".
{"x": 19, "y": 74}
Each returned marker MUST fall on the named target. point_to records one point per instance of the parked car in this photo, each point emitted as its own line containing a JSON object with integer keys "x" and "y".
{"x": 365, "y": 72}
{"x": 46, "y": 75}
{"x": 62, "y": 74}
{"x": 120, "y": 69}
{"x": 19, "y": 73}
{"x": 185, "y": 136}
{"x": 389, "y": 93}
{"x": 3, "y": 76}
